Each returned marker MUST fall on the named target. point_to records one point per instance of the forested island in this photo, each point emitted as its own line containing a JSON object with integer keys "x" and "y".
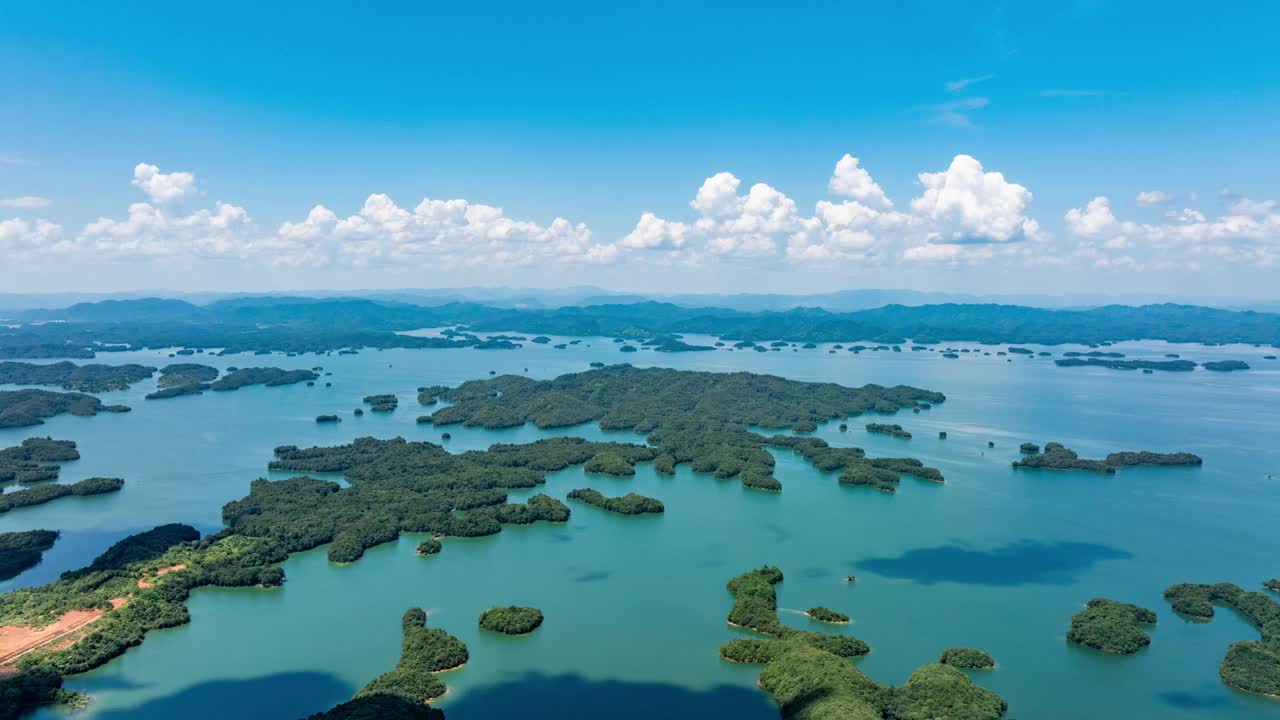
{"x": 1225, "y": 365}
{"x": 1057, "y": 457}
{"x": 885, "y": 429}
{"x": 381, "y": 403}
{"x": 69, "y": 376}
{"x": 178, "y": 374}
{"x": 302, "y": 325}
{"x": 1273, "y": 584}
{"x": 827, "y": 615}
{"x": 1111, "y": 626}
{"x": 810, "y": 677}
{"x": 27, "y": 461}
{"x": 424, "y": 652}
{"x": 40, "y": 494}
{"x": 511, "y": 619}
{"x": 22, "y": 550}
{"x": 700, "y": 418}
{"x": 22, "y": 408}
{"x": 967, "y": 658}
{"x": 269, "y": 376}
{"x": 629, "y": 504}
{"x": 1166, "y": 365}
{"x": 1249, "y": 665}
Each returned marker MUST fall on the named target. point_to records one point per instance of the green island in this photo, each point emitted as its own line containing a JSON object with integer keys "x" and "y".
{"x": 22, "y": 550}
{"x": 1249, "y": 665}
{"x": 23, "y": 408}
{"x": 1093, "y": 354}
{"x": 1111, "y": 626}
{"x": 69, "y": 376}
{"x": 430, "y": 546}
{"x": 629, "y": 504}
{"x": 268, "y": 376}
{"x": 1167, "y": 365}
{"x": 22, "y": 463}
{"x": 424, "y": 652}
{"x": 1225, "y": 365}
{"x": 179, "y": 374}
{"x": 967, "y": 658}
{"x": 885, "y": 429}
{"x": 1058, "y": 457}
{"x": 810, "y": 677}
{"x": 1028, "y": 448}
{"x": 1273, "y": 584}
{"x": 511, "y": 619}
{"x": 427, "y": 394}
{"x": 827, "y": 615}
{"x": 881, "y": 474}
{"x": 699, "y": 418}
{"x": 381, "y": 403}
{"x": 40, "y": 494}
{"x": 328, "y": 419}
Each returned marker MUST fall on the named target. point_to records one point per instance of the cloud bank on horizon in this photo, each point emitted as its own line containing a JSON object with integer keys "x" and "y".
{"x": 963, "y": 215}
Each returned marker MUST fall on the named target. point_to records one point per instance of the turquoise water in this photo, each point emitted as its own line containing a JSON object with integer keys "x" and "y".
{"x": 635, "y": 607}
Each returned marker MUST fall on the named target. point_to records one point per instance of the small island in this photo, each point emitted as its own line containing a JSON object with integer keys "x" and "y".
{"x": 268, "y": 376}
{"x": 1027, "y": 448}
{"x": 1133, "y": 459}
{"x": 381, "y": 403}
{"x": 967, "y": 658}
{"x": 1225, "y": 365}
{"x": 1166, "y": 365}
{"x": 1112, "y": 627}
{"x": 827, "y": 615}
{"x": 40, "y": 494}
{"x": 23, "y": 408}
{"x": 430, "y": 546}
{"x": 1273, "y": 585}
{"x": 328, "y": 419}
{"x": 629, "y": 504}
{"x": 884, "y": 429}
{"x": 511, "y": 620}
{"x": 1058, "y": 457}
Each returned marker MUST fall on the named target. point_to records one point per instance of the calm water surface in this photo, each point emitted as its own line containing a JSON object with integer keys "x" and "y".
{"x": 635, "y": 607}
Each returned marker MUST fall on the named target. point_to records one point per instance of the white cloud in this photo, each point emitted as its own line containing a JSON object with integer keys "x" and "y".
{"x": 968, "y": 205}
{"x": 654, "y": 232}
{"x": 25, "y": 202}
{"x": 962, "y": 83}
{"x": 1152, "y": 198}
{"x": 161, "y": 187}
{"x": 25, "y": 240}
{"x": 853, "y": 181}
{"x": 151, "y": 231}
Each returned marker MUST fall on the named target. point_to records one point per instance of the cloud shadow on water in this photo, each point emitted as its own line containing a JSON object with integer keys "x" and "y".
{"x": 1187, "y": 700}
{"x": 1027, "y": 562}
{"x": 572, "y": 697}
{"x": 283, "y": 695}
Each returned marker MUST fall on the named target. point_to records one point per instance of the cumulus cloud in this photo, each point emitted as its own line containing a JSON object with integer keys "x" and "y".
{"x": 855, "y": 182}
{"x": 1247, "y": 232}
{"x": 163, "y": 187}
{"x": 25, "y": 202}
{"x": 654, "y": 232}
{"x": 970, "y": 205}
{"x": 23, "y": 240}
{"x": 1152, "y": 198}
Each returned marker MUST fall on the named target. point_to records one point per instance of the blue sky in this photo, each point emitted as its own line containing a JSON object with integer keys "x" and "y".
{"x": 600, "y": 112}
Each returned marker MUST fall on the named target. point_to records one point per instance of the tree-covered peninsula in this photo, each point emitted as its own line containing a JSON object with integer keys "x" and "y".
{"x": 22, "y": 550}
{"x": 699, "y": 418}
{"x": 22, "y": 408}
{"x": 1057, "y": 457}
{"x": 810, "y": 677}
{"x": 402, "y": 693}
{"x": 511, "y": 619}
{"x": 967, "y": 658}
{"x": 1250, "y": 665}
{"x": 40, "y": 494}
{"x": 1111, "y": 626}
{"x": 629, "y": 504}
{"x": 269, "y": 376}
{"x": 69, "y": 376}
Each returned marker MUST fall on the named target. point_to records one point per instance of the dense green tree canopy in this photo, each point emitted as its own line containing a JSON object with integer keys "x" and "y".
{"x": 511, "y": 619}
{"x": 967, "y": 658}
{"x": 21, "y": 408}
{"x": 1249, "y": 665}
{"x": 69, "y": 376}
{"x": 1111, "y": 626}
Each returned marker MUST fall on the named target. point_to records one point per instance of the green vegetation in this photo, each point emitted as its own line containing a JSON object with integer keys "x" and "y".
{"x": 22, "y": 550}
{"x": 884, "y": 429}
{"x": 810, "y": 677}
{"x": 1130, "y": 459}
{"x": 382, "y": 403}
{"x": 1029, "y": 448}
{"x": 1058, "y": 457}
{"x": 29, "y": 689}
{"x": 1253, "y": 666}
{"x": 182, "y": 374}
{"x": 328, "y": 419}
{"x": 1168, "y": 365}
{"x": 69, "y": 376}
{"x": 427, "y": 394}
{"x": 430, "y": 546}
{"x": 41, "y": 494}
{"x": 967, "y": 658}
{"x": 698, "y": 418}
{"x": 827, "y": 615}
{"x": 1111, "y": 626}
{"x": 269, "y": 376}
{"x": 22, "y": 408}
{"x": 1273, "y": 584}
{"x": 1225, "y": 365}
{"x": 21, "y": 463}
{"x": 629, "y": 504}
{"x": 511, "y": 620}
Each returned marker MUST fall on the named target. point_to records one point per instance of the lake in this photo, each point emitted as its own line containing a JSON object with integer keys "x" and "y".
{"x": 635, "y": 606}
